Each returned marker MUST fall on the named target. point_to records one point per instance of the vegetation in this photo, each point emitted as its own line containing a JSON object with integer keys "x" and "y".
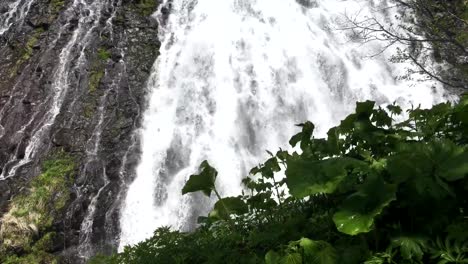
{"x": 98, "y": 68}
{"x": 104, "y": 54}
{"x": 146, "y": 7}
{"x": 433, "y": 35}
{"x": 26, "y": 232}
{"x": 94, "y": 79}
{"x": 374, "y": 191}
{"x": 27, "y": 50}
{"x": 56, "y": 6}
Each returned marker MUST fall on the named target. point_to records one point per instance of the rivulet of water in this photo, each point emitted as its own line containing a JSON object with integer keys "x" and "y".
{"x": 233, "y": 78}
{"x": 15, "y": 13}
{"x": 89, "y": 16}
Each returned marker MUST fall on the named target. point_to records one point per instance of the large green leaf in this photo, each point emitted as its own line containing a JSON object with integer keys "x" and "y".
{"x": 272, "y": 257}
{"x": 451, "y": 160}
{"x": 381, "y": 118}
{"x": 318, "y": 252}
{"x": 307, "y": 177}
{"x": 426, "y": 165}
{"x": 356, "y": 214}
{"x": 229, "y": 206}
{"x": 268, "y": 169}
{"x": 304, "y": 136}
{"x": 292, "y": 258}
{"x": 205, "y": 181}
{"x": 410, "y": 247}
{"x": 365, "y": 108}
{"x": 410, "y": 161}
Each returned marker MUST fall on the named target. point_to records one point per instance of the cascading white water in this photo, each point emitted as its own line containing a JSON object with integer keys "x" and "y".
{"x": 233, "y": 78}
{"x": 90, "y": 14}
{"x": 17, "y": 11}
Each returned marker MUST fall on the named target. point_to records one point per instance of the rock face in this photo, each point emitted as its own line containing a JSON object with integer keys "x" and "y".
{"x": 72, "y": 80}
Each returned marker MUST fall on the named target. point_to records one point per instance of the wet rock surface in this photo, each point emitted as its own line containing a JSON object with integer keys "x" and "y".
{"x": 95, "y": 59}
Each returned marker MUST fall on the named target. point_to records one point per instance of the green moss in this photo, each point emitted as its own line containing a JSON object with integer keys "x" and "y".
{"x": 95, "y": 79}
{"x": 118, "y": 123}
{"x": 27, "y": 50}
{"x": 33, "y": 258}
{"x": 102, "y": 259}
{"x": 56, "y": 5}
{"x": 147, "y": 7}
{"x": 25, "y": 226}
{"x": 104, "y": 54}
{"x": 98, "y": 67}
{"x": 45, "y": 243}
{"x": 89, "y": 109}
{"x": 51, "y": 185}
{"x": 119, "y": 19}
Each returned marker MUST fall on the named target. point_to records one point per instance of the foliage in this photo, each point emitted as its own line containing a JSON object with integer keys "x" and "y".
{"x": 437, "y": 31}
{"x": 56, "y": 5}
{"x": 96, "y": 74}
{"x": 27, "y": 50}
{"x": 94, "y": 80}
{"x": 26, "y": 228}
{"x": 104, "y": 54}
{"x": 375, "y": 190}
{"x": 431, "y": 34}
{"x": 146, "y": 7}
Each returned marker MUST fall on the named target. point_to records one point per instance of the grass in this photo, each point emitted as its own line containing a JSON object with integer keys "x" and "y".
{"x": 25, "y": 226}
{"x": 56, "y": 5}
{"x": 147, "y": 7}
{"x": 95, "y": 79}
{"x": 27, "y": 50}
{"x": 103, "y": 54}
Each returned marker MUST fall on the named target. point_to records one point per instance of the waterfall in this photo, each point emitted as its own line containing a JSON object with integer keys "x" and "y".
{"x": 90, "y": 14}
{"x": 16, "y": 12}
{"x": 233, "y": 78}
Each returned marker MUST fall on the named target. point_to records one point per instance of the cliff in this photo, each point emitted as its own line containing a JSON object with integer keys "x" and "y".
{"x": 72, "y": 89}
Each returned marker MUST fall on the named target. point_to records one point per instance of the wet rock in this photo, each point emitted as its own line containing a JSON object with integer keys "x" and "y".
{"x": 62, "y": 137}
{"x": 94, "y": 125}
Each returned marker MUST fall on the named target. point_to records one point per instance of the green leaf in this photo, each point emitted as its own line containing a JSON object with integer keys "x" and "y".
{"x": 333, "y": 141}
{"x": 318, "y": 252}
{"x": 262, "y": 201}
{"x": 458, "y": 230}
{"x": 229, "y": 206}
{"x": 205, "y": 181}
{"x": 308, "y": 177}
{"x": 304, "y": 136}
{"x": 292, "y": 258}
{"x": 394, "y": 109}
{"x": 410, "y": 247}
{"x": 272, "y": 257}
{"x": 365, "y": 107}
{"x": 410, "y": 161}
{"x": 451, "y": 160}
{"x": 381, "y": 118}
{"x": 356, "y": 214}
{"x": 425, "y": 165}
{"x": 268, "y": 169}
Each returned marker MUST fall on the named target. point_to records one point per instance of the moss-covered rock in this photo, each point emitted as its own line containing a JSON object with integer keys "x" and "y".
{"x": 103, "y": 54}
{"x": 56, "y": 5}
{"x": 25, "y": 231}
{"x": 98, "y": 68}
{"x": 95, "y": 79}
{"x": 146, "y": 7}
{"x": 27, "y": 50}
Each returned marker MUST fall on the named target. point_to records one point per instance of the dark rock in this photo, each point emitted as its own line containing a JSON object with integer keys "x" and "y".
{"x": 103, "y": 98}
